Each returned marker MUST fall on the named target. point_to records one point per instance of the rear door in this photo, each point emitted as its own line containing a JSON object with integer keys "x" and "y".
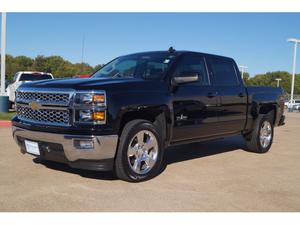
{"x": 232, "y": 94}
{"x": 194, "y": 104}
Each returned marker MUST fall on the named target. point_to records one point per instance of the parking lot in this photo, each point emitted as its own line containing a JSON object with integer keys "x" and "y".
{"x": 210, "y": 176}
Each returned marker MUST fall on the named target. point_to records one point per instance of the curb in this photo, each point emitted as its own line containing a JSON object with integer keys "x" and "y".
{"x": 5, "y": 123}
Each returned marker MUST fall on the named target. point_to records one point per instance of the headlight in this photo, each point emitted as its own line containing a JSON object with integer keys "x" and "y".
{"x": 90, "y": 107}
{"x": 90, "y": 98}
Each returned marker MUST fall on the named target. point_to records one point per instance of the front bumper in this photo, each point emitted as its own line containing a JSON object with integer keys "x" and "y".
{"x": 61, "y": 148}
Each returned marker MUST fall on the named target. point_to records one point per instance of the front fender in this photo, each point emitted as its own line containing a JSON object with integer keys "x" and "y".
{"x": 146, "y": 103}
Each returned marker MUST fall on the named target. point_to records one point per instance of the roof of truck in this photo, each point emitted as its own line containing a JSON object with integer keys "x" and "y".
{"x": 180, "y": 52}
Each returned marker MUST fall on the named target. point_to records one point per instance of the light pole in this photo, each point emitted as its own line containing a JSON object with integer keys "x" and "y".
{"x": 295, "y": 41}
{"x": 3, "y": 35}
{"x": 3, "y": 97}
{"x": 82, "y": 54}
{"x": 243, "y": 70}
{"x": 278, "y": 80}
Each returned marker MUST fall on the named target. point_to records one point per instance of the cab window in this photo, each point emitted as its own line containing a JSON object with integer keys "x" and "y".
{"x": 193, "y": 64}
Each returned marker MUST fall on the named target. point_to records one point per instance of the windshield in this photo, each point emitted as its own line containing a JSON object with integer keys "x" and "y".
{"x": 33, "y": 77}
{"x": 146, "y": 66}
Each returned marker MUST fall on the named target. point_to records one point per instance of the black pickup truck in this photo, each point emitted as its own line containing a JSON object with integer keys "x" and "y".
{"x": 129, "y": 111}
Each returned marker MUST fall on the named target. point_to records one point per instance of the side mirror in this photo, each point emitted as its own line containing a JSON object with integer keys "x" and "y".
{"x": 184, "y": 78}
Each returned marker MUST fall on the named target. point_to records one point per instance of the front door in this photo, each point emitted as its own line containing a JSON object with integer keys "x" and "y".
{"x": 194, "y": 104}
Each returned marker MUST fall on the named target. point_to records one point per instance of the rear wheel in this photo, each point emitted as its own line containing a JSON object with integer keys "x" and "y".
{"x": 261, "y": 138}
{"x": 140, "y": 152}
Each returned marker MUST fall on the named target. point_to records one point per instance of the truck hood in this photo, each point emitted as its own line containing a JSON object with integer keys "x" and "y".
{"x": 95, "y": 84}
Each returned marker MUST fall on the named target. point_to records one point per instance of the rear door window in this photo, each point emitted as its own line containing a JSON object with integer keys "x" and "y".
{"x": 223, "y": 71}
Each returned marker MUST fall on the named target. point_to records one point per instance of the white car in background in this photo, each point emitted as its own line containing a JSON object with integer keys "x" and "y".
{"x": 22, "y": 77}
{"x": 295, "y": 104}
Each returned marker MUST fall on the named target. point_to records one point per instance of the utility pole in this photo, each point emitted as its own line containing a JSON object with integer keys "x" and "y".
{"x": 243, "y": 68}
{"x": 278, "y": 80}
{"x": 295, "y": 41}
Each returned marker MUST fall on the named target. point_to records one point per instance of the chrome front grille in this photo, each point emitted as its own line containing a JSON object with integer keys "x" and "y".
{"x": 45, "y": 106}
{"x": 43, "y": 97}
{"x": 44, "y": 116}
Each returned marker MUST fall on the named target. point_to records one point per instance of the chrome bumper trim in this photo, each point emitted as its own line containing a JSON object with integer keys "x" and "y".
{"x": 104, "y": 146}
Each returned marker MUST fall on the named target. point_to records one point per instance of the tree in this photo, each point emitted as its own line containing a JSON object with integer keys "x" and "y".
{"x": 56, "y": 65}
{"x": 15, "y": 64}
{"x": 24, "y": 62}
{"x": 40, "y": 63}
{"x": 246, "y": 77}
{"x": 60, "y": 67}
{"x": 97, "y": 67}
{"x": 269, "y": 79}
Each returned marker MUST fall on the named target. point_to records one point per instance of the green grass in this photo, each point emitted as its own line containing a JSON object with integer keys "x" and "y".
{"x": 7, "y": 116}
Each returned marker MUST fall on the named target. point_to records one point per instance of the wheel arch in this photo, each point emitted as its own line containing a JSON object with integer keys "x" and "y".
{"x": 158, "y": 115}
{"x": 258, "y": 108}
{"x": 268, "y": 108}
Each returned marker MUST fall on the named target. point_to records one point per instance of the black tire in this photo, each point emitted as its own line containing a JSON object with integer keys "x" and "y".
{"x": 122, "y": 169}
{"x": 253, "y": 139}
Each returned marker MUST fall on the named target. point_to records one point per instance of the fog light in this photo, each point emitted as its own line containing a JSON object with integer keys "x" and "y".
{"x": 84, "y": 144}
{"x": 85, "y": 115}
{"x": 99, "y": 116}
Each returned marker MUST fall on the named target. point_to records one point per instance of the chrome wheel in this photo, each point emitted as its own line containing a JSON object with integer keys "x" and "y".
{"x": 265, "y": 135}
{"x": 142, "y": 152}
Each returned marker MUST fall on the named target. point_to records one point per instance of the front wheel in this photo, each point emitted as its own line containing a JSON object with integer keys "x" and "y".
{"x": 140, "y": 152}
{"x": 261, "y": 138}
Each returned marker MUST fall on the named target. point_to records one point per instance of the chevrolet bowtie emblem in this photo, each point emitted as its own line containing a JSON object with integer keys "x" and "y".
{"x": 34, "y": 105}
